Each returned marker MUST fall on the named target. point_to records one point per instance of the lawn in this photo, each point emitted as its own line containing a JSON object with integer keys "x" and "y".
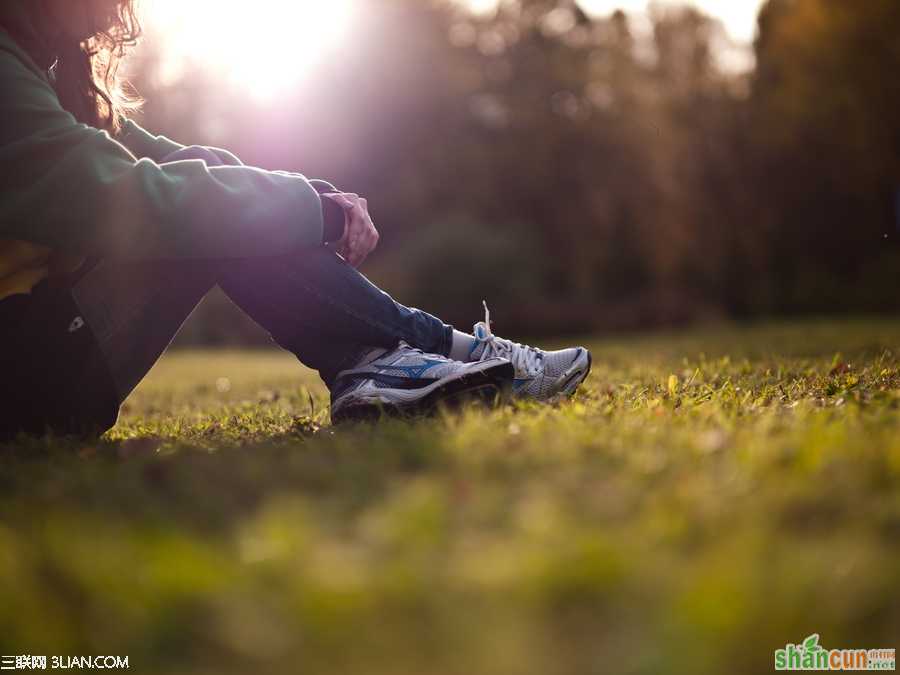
{"x": 707, "y": 498}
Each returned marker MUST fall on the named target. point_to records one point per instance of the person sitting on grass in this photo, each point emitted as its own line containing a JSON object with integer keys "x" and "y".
{"x": 110, "y": 236}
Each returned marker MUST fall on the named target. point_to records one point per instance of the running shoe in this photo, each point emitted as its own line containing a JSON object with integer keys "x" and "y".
{"x": 405, "y": 381}
{"x": 539, "y": 374}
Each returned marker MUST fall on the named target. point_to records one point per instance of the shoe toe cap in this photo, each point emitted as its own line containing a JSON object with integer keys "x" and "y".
{"x": 560, "y": 362}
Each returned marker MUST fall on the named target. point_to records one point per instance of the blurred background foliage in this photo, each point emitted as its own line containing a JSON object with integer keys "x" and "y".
{"x": 580, "y": 174}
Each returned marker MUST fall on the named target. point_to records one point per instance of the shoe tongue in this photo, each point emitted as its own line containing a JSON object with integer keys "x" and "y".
{"x": 480, "y": 331}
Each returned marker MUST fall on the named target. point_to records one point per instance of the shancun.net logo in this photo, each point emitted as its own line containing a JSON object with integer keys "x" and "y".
{"x": 810, "y": 655}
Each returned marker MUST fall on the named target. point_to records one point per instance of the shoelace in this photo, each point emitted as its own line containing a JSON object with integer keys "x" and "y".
{"x": 524, "y": 358}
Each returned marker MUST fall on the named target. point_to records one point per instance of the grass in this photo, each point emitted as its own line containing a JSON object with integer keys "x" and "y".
{"x": 708, "y": 497}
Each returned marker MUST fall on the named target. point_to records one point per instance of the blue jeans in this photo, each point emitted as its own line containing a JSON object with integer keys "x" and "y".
{"x": 311, "y": 301}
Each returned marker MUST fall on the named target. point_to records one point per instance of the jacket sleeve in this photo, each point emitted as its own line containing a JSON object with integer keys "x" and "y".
{"x": 71, "y": 187}
{"x": 141, "y": 143}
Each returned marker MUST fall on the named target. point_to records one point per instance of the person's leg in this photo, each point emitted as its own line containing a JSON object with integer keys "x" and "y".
{"x": 73, "y": 352}
{"x": 320, "y": 308}
{"x": 53, "y": 374}
{"x": 316, "y": 305}
{"x": 312, "y": 303}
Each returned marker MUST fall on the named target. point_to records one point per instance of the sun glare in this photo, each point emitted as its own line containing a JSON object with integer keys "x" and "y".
{"x": 266, "y": 47}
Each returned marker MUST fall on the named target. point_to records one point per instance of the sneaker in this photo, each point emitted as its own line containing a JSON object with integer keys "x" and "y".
{"x": 540, "y": 374}
{"x": 405, "y": 382}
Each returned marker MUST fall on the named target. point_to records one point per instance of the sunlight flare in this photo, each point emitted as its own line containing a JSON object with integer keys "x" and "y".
{"x": 266, "y": 47}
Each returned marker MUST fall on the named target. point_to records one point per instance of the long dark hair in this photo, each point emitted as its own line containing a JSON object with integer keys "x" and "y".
{"x": 85, "y": 72}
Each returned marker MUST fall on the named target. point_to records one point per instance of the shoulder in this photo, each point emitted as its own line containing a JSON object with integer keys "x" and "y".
{"x": 24, "y": 83}
{"x": 29, "y": 103}
{"x": 15, "y": 60}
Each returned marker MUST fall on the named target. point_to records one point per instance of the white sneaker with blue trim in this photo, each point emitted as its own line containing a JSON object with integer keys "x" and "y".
{"x": 539, "y": 374}
{"x": 406, "y": 382}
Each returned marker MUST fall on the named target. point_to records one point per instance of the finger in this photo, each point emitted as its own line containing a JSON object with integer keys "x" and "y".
{"x": 360, "y": 255}
{"x": 353, "y": 257}
{"x": 363, "y": 224}
{"x": 373, "y": 242}
{"x": 342, "y": 196}
{"x": 348, "y": 202}
{"x": 354, "y": 226}
{"x": 369, "y": 239}
{"x": 361, "y": 228}
{"x": 342, "y": 242}
{"x": 367, "y": 245}
{"x": 371, "y": 234}
{"x": 365, "y": 242}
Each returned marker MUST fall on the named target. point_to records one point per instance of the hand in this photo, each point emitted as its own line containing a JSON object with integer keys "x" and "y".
{"x": 360, "y": 236}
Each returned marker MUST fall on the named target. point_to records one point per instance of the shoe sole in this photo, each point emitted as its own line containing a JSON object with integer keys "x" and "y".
{"x": 488, "y": 386}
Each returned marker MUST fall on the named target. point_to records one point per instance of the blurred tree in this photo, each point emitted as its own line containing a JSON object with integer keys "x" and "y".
{"x": 826, "y": 123}
{"x": 609, "y": 176}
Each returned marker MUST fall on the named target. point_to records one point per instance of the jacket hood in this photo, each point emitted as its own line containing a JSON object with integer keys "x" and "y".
{"x": 19, "y": 24}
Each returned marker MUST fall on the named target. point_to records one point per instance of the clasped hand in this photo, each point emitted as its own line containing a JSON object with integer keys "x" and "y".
{"x": 360, "y": 236}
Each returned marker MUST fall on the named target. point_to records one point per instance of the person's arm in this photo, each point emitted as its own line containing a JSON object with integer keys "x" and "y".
{"x": 73, "y": 188}
{"x": 142, "y": 143}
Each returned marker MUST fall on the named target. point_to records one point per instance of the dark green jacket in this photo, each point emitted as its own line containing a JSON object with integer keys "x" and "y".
{"x": 74, "y": 189}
